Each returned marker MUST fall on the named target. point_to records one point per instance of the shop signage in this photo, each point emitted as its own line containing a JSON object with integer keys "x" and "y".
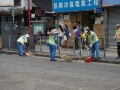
{"x": 74, "y": 5}
{"x": 110, "y": 2}
{"x": 98, "y": 10}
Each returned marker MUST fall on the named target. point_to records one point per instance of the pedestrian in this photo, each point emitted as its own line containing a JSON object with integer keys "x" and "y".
{"x": 84, "y": 39}
{"x": 79, "y": 26}
{"x": 85, "y": 26}
{"x": 21, "y": 43}
{"x": 67, "y": 35}
{"x": 52, "y": 43}
{"x": 60, "y": 34}
{"x": 37, "y": 36}
{"x": 76, "y": 36}
{"x": 117, "y": 35}
{"x": 93, "y": 40}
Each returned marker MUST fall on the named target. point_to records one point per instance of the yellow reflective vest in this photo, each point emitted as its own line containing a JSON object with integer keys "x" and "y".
{"x": 92, "y": 37}
{"x": 52, "y": 40}
{"x": 21, "y": 40}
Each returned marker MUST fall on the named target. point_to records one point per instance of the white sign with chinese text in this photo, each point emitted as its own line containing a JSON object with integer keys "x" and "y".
{"x": 74, "y": 5}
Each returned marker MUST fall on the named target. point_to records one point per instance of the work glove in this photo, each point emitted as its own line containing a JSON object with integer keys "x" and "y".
{"x": 85, "y": 40}
{"x": 91, "y": 45}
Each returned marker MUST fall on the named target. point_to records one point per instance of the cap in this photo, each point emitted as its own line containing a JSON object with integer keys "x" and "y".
{"x": 53, "y": 31}
{"x": 27, "y": 35}
{"x": 87, "y": 29}
{"x": 117, "y": 25}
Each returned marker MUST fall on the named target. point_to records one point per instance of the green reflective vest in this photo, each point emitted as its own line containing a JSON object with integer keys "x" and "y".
{"x": 92, "y": 37}
{"x": 22, "y": 40}
{"x": 51, "y": 40}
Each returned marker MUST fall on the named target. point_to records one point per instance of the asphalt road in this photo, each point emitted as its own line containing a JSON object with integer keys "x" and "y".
{"x": 32, "y": 73}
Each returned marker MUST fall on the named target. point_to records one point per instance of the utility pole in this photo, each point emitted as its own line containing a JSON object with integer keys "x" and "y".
{"x": 29, "y": 31}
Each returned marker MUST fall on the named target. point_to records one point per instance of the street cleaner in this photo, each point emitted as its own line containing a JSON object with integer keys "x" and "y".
{"x": 21, "y": 43}
{"x": 93, "y": 40}
{"x": 52, "y": 43}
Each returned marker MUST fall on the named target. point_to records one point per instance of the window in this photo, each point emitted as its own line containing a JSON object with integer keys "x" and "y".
{"x": 17, "y": 2}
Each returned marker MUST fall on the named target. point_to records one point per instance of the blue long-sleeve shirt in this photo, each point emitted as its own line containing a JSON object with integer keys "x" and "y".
{"x": 56, "y": 39}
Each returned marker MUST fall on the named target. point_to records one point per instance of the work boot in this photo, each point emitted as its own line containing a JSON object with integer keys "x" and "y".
{"x": 97, "y": 58}
{"x": 92, "y": 58}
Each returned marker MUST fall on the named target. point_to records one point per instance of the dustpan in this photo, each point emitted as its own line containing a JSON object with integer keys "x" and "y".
{"x": 88, "y": 60}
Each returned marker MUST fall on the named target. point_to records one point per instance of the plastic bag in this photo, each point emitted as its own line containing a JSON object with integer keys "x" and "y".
{"x": 70, "y": 34}
{"x": 62, "y": 42}
{"x": 64, "y": 37}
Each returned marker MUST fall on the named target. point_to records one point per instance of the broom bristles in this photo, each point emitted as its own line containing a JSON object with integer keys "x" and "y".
{"x": 65, "y": 57}
{"x": 30, "y": 53}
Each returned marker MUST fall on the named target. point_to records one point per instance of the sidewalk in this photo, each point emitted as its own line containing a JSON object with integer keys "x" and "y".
{"x": 110, "y": 54}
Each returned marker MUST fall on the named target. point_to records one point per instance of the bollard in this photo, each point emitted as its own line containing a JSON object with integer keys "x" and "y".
{"x": 59, "y": 45}
{"x": 74, "y": 48}
{"x": 80, "y": 46}
{"x": 40, "y": 44}
{"x": 9, "y": 42}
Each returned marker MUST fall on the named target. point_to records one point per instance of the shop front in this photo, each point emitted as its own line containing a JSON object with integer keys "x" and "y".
{"x": 69, "y": 12}
{"x": 7, "y": 15}
{"x": 112, "y": 17}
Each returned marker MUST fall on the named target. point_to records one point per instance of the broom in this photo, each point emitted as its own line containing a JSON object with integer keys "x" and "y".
{"x": 30, "y": 54}
{"x": 65, "y": 56}
{"x": 85, "y": 58}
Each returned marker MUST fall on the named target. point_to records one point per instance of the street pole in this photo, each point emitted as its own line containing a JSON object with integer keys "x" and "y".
{"x": 13, "y": 18}
{"x": 58, "y": 37}
{"x": 105, "y": 24}
{"x": 13, "y": 13}
{"x": 29, "y": 31}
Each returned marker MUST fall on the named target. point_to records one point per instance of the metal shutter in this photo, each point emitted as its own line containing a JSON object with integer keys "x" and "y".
{"x": 113, "y": 19}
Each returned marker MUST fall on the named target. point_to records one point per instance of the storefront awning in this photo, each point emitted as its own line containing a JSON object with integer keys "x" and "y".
{"x": 45, "y": 5}
{"x": 7, "y": 9}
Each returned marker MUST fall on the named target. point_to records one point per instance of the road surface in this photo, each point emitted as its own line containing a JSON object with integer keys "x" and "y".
{"x": 33, "y": 73}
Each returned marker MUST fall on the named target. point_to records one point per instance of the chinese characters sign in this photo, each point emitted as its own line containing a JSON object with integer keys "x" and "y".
{"x": 74, "y": 5}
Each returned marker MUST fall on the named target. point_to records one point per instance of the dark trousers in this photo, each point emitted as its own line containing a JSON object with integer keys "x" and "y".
{"x": 118, "y": 48}
{"x": 35, "y": 40}
{"x": 60, "y": 38}
{"x": 26, "y": 46}
{"x": 76, "y": 43}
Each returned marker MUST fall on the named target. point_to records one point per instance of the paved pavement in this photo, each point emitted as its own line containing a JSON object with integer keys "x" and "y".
{"x": 110, "y": 54}
{"x": 32, "y": 73}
